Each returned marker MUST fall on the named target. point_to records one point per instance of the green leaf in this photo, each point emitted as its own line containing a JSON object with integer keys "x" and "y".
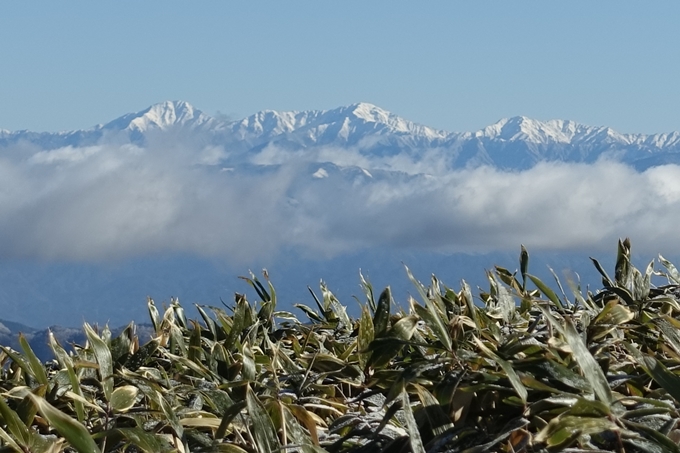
{"x": 141, "y": 439}
{"x": 10, "y": 441}
{"x": 154, "y": 315}
{"x": 306, "y": 419}
{"x": 381, "y": 318}
{"x": 469, "y": 302}
{"x": 180, "y": 316}
{"x": 272, "y": 292}
{"x": 384, "y": 349}
{"x": 16, "y": 427}
{"x": 613, "y": 313}
{"x": 436, "y": 320}
{"x": 623, "y": 269}
{"x": 309, "y": 312}
{"x": 65, "y": 361}
{"x": 644, "y": 445}
{"x": 673, "y": 273}
{"x": 104, "y": 359}
{"x": 642, "y": 288}
{"x": 666, "y": 444}
{"x": 561, "y": 430}
{"x": 194, "y": 351}
{"x": 605, "y": 278}
{"x": 657, "y": 371}
{"x": 74, "y": 432}
{"x": 238, "y": 321}
{"x": 624, "y": 294}
{"x": 404, "y": 328}
{"x": 153, "y": 391}
{"x": 560, "y": 373}
{"x": 297, "y": 435}
{"x": 670, "y": 332}
{"x": 249, "y": 370}
{"x": 340, "y": 312}
{"x": 18, "y": 359}
{"x": 123, "y": 398}
{"x": 366, "y": 336}
{"x": 368, "y": 290}
{"x": 121, "y": 346}
{"x": 524, "y": 266}
{"x": 507, "y": 368}
{"x": 229, "y": 413}
{"x": 257, "y": 286}
{"x": 26, "y": 409}
{"x": 549, "y": 293}
{"x": 589, "y": 366}
{"x": 411, "y": 425}
{"x": 437, "y": 417}
{"x": 589, "y": 408}
{"x": 37, "y": 369}
{"x": 263, "y": 428}
{"x": 506, "y": 303}
{"x": 209, "y": 322}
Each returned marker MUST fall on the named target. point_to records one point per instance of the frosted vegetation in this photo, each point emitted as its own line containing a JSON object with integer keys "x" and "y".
{"x": 521, "y": 367}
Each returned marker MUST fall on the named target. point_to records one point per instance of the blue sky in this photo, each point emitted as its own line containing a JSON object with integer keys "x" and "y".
{"x": 452, "y": 65}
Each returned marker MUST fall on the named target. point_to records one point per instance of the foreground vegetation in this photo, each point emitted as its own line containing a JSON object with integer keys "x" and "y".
{"x": 519, "y": 368}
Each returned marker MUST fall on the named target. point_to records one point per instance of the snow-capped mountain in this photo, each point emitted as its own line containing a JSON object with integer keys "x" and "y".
{"x": 163, "y": 116}
{"x": 521, "y": 142}
{"x": 346, "y": 124}
{"x": 372, "y": 133}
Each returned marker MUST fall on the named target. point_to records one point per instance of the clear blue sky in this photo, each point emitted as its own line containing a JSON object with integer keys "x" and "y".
{"x": 453, "y": 65}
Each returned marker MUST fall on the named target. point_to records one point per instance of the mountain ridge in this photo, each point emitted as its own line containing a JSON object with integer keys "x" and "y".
{"x": 510, "y": 143}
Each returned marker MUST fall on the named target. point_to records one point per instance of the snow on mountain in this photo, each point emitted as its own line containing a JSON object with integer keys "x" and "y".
{"x": 162, "y": 116}
{"x": 363, "y": 132}
{"x": 363, "y": 117}
{"x": 358, "y": 124}
{"x": 521, "y": 128}
{"x": 132, "y": 127}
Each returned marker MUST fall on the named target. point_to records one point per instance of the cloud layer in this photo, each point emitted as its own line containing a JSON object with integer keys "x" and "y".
{"x": 107, "y": 202}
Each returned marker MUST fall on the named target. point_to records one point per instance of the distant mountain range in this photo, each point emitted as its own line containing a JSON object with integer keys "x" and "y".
{"x": 516, "y": 143}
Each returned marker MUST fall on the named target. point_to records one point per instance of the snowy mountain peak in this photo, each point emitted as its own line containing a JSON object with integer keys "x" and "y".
{"x": 369, "y": 114}
{"x": 270, "y": 123}
{"x": 521, "y": 128}
{"x": 161, "y": 116}
{"x": 344, "y": 123}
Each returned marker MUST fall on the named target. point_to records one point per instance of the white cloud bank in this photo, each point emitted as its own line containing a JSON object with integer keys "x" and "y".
{"x": 102, "y": 202}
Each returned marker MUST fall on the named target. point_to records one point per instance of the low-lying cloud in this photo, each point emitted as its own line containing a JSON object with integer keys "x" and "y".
{"x": 111, "y": 202}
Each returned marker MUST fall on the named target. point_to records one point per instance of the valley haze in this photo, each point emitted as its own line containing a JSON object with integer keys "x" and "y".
{"x": 171, "y": 202}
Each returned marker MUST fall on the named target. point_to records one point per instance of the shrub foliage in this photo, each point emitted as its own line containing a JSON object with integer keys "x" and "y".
{"x": 520, "y": 368}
